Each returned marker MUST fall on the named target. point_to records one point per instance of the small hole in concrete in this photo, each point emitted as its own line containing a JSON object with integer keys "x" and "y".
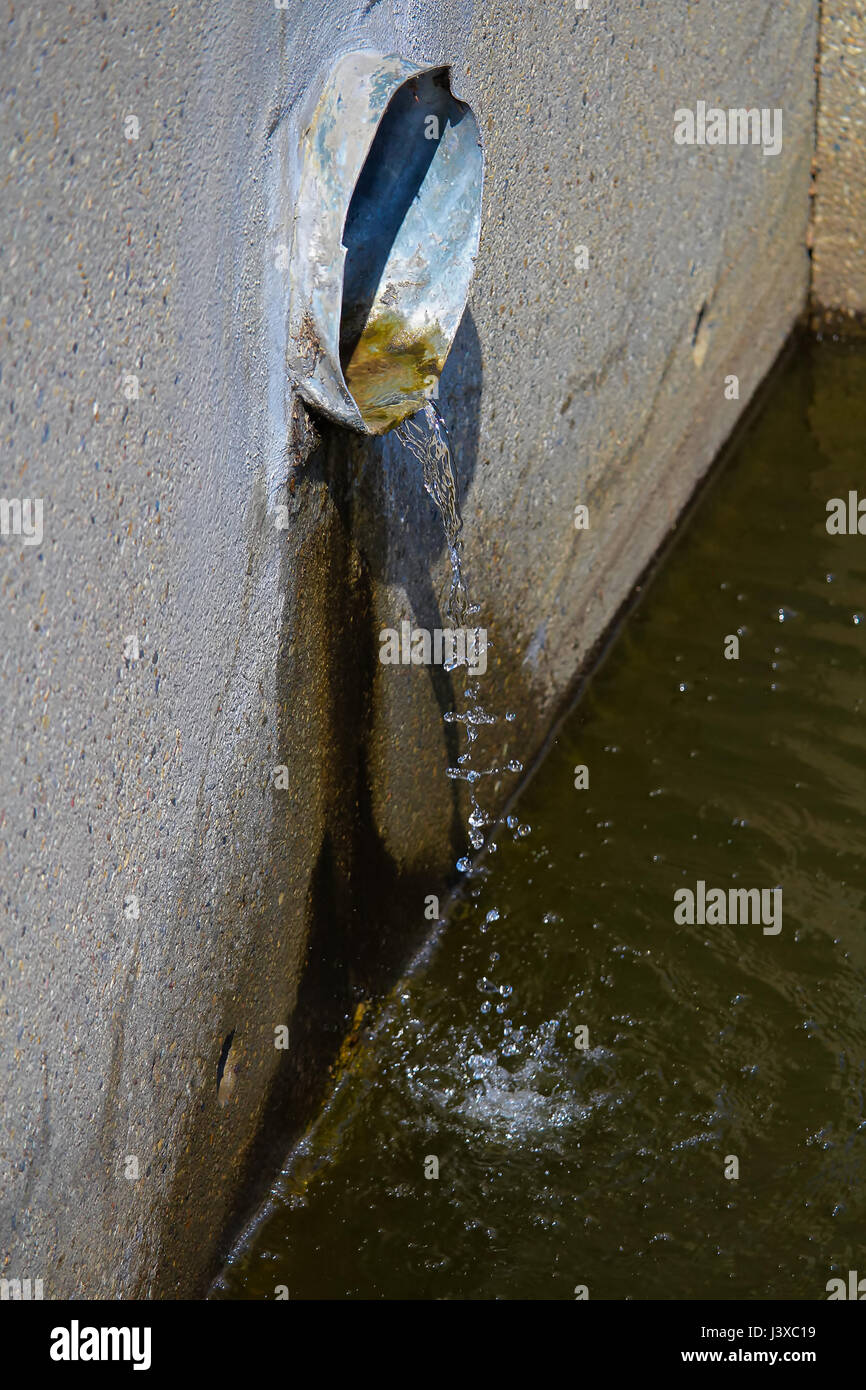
{"x": 225, "y": 1078}
{"x": 698, "y": 322}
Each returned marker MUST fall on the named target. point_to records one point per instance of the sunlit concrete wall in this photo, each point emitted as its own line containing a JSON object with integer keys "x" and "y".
{"x": 839, "y": 232}
{"x": 221, "y": 814}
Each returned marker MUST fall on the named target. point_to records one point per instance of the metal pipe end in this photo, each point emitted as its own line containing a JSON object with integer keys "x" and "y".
{"x": 385, "y": 240}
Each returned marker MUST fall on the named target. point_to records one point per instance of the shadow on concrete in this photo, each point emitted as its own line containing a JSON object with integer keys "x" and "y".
{"x": 370, "y": 524}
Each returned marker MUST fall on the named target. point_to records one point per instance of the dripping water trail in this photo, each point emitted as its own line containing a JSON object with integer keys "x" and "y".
{"x": 426, "y": 437}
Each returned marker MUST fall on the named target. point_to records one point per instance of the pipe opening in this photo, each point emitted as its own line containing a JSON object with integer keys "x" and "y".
{"x": 386, "y": 234}
{"x": 400, "y": 250}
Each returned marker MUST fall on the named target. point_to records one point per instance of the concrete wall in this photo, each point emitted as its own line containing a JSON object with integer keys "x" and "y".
{"x": 838, "y": 236}
{"x": 160, "y": 894}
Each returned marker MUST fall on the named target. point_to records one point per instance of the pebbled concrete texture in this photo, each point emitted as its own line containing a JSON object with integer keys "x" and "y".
{"x": 170, "y": 899}
{"x": 837, "y": 235}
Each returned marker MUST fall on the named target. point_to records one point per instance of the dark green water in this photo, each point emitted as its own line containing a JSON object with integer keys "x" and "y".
{"x": 560, "y": 1167}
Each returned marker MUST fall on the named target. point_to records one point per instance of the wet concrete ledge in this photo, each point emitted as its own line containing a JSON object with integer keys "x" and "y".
{"x": 205, "y": 605}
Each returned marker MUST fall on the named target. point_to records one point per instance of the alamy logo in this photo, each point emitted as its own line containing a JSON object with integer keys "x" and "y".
{"x": 448, "y": 647}
{"x": 738, "y": 907}
{"x": 20, "y": 1290}
{"x": 846, "y": 518}
{"x": 738, "y": 126}
{"x": 76, "y": 1343}
{"x": 22, "y": 516}
{"x": 856, "y": 1288}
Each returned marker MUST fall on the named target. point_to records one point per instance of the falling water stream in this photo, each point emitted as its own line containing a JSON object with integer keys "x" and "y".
{"x": 425, "y": 436}
{"x": 559, "y": 1165}
{"x": 429, "y": 442}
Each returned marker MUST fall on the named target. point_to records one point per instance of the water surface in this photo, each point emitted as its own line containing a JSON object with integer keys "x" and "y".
{"x": 561, "y": 1167}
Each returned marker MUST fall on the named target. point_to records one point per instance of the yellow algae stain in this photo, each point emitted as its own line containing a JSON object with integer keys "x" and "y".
{"x": 392, "y": 371}
{"x": 351, "y": 1039}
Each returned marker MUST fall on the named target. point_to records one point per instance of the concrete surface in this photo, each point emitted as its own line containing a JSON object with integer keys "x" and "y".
{"x": 166, "y": 906}
{"x": 839, "y": 231}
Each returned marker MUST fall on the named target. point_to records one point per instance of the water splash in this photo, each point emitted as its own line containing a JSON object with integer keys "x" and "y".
{"x": 426, "y": 437}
